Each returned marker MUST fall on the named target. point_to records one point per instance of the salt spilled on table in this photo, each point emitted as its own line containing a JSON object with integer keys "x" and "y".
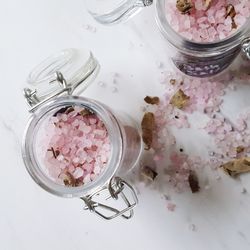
{"x": 205, "y": 96}
{"x": 78, "y": 146}
{"x": 202, "y": 23}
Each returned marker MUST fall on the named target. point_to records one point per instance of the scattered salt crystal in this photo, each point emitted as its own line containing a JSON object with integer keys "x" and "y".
{"x": 114, "y": 89}
{"x": 90, "y": 28}
{"x": 192, "y": 227}
{"x": 218, "y": 178}
{"x": 171, "y": 207}
{"x": 159, "y": 64}
{"x": 102, "y": 84}
{"x": 60, "y": 157}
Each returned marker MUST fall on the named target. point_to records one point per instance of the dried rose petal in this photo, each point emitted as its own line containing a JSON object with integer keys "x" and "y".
{"x": 152, "y": 100}
{"x": 179, "y": 99}
{"x": 193, "y": 182}
{"x": 236, "y": 167}
{"x": 184, "y": 6}
{"x": 148, "y": 173}
{"x": 148, "y": 125}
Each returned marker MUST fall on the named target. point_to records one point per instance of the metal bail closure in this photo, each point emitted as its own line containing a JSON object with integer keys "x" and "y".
{"x": 70, "y": 70}
{"x": 246, "y": 47}
{"x": 105, "y": 204}
{"x": 147, "y": 2}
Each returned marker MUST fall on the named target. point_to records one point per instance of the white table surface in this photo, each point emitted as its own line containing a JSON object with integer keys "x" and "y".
{"x": 31, "y": 218}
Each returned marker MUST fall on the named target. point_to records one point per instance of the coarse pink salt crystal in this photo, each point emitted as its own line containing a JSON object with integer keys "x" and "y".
{"x": 73, "y": 156}
{"x": 171, "y": 206}
{"x": 78, "y": 173}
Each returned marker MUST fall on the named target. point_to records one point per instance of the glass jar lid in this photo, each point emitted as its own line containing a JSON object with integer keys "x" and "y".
{"x": 70, "y": 70}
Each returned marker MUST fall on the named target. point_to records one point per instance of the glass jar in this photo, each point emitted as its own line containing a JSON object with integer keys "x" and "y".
{"x": 52, "y": 84}
{"x": 202, "y": 59}
{"x": 115, "y": 11}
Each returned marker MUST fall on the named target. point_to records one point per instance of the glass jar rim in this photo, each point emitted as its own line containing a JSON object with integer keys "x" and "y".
{"x": 36, "y": 171}
{"x": 191, "y": 47}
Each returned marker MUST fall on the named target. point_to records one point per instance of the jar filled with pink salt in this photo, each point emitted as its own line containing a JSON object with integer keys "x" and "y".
{"x": 207, "y": 35}
{"x": 75, "y": 146}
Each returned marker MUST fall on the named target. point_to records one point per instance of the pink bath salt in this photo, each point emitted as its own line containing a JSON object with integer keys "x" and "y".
{"x": 208, "y": 23}
{"x": 171, "y": 207}
{"x": 78, "y": 146}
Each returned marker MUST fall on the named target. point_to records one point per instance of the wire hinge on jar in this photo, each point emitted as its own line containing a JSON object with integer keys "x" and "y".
{"x": 246, "y": 47}
{"x": 147, "y": 2}
{"x": 116, "y": 189}
{"x": 32, "y": 98}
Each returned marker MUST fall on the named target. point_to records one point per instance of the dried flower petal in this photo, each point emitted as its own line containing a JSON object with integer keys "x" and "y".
{"x": 63, "y": 110}
{"x": 230, "y": 11}
{"x": 85, "y": 112}
{"x": 148, "y": 173}
{"x": 69, "y": 110}
{"x": 152, "y": 100}
{"x": 172, "y": 81}
{"x": 148, "y": 125}
{"x": 240, "y": 149}
{"x": 238, "y": 166}
{"x": 179, "y": 99}
{"x": 208, "y": 3}
{"x": 54, "y": 152}
{"x": 184, "y": 6}
{"x": 193, "y": 182}
{"x": 69, "y": 180}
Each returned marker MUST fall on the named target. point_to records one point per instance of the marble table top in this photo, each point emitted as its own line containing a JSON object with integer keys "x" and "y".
{"x": 34, "y": 219}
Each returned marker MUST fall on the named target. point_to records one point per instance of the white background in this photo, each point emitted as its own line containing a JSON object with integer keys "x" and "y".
{"x": 30, "y": 218}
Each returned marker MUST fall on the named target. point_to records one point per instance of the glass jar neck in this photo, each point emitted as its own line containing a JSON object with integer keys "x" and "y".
{"x": 29, "y": 152}
{"x": 190, "y": 47}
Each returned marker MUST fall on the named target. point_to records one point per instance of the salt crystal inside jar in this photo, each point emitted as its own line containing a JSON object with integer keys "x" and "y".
{"x": 74, "y": 146}
{"x": 207, "y": 35}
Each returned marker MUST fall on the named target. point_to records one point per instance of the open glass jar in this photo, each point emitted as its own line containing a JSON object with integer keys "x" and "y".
{"x": 115, "y": 11}
{"x": 202, "y": 59}
{"x": 50, "y": 99}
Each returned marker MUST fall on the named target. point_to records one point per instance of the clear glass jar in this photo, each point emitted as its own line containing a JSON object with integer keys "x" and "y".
{"x": 202, "y": 59}
{"x": 115, "y": 11}
{"x": 52, "y": 93}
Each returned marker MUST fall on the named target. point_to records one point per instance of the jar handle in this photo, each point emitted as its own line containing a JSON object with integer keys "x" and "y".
{"x": 116, "y": 190}
{"x": 246, "y": 47}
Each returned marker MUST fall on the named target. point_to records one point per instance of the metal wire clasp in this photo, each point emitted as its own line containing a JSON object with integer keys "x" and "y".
{"x": 246, "y": 47}
{"x": 34, "y": 101}
{"x": 147, "y": 2}
{"x": 117, "y": 190}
